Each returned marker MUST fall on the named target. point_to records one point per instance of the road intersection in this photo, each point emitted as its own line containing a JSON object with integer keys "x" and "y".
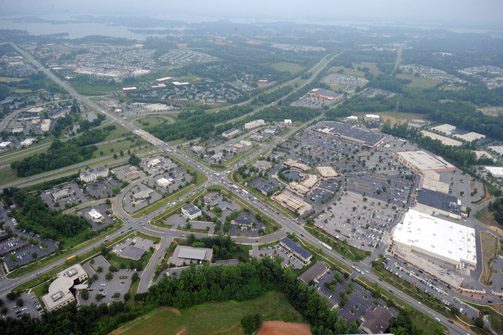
{"x": 214, "y": 178}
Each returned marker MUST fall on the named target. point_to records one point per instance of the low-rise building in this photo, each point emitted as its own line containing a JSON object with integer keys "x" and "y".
{"x": 61, "y": 194}
{"x": 314, "y": 272}
{"x": 95, "y": 215}
{"x": 60, "y": 290}
{"x": 90, "y": 175}
{"x": 254, "y": 124}
{"x": 495, "y": 171}
{"x": 301, "y": 253}
{"x": 164, "y": 182}
{"x": 231, "y": 133}
{"x": 376, "y": 320}
{"x": 184, "y": 255}
{"x": 191, "y": 211}
{"x": 27, "y": 142}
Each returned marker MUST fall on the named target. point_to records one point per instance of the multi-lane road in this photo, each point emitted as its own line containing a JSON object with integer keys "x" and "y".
{"x": 214, "y": 178}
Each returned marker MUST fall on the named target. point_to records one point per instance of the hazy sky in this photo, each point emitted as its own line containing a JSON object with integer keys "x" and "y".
{"x": 451, "y": 12}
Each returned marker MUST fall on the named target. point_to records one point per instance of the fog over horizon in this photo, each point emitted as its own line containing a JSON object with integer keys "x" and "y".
{"x": 449, "y": 13}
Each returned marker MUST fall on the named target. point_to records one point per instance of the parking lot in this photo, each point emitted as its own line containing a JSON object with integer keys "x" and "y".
{"x": 27, "y": 304}
{"x": 58, "y": 198}
{"x": 108, "y": 290}
{"x": 362, "y": 223}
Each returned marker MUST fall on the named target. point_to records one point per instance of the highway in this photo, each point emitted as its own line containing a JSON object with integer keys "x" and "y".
{"x": 214, "y": 178}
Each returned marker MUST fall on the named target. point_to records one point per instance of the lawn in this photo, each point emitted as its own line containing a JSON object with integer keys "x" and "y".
{"x": 486, "y": 217}
{"x": 491, "y": 248}
{"x": 118, "y": 132}
{"x": 292, "y": 68}
{"x": 7, "y": 175}
{"x": 418, "y": 82}
{"x": 398, "y": 117}
{"x": 151, "y": 121}
{"x": 339, "y": 246}
{"x": 371, "y": 66}
{"x": 212, "y": 318}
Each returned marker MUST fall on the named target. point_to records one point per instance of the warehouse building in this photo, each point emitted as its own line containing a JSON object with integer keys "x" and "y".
{"x": 440, "y": 240}
{"x": 291, "y": 202}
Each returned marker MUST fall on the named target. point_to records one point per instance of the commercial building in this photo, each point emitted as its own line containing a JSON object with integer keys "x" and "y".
{"x": 324, "y": 94}
{"x": 495, "y": 171}
{"x": 434, "y": 203}
{"x": 421, "y": 161}
{"x": 27, "y": 142}
{"x": 191, "y": 211}
{"x": 61, "y": 194}
{"x": 326, "y": 171}
{"x": 296, "y": 165}
{"x": 497, "y": 149}
{"x": 4, "y": 145}
{"x": 142, "y": 195}
{"x": 95, "y": 215}
{"x": 45, "y": 126}
{"x": 442, "y": 240}
{"x": 60, "y": 293}
{"x": 444, "y": 140}
{"x": 301, "y": 253}
{"x": 376, "y": 320}
{"x": 254, "y": 124}
{"x": 446, "y": 129}
{"x": 470, "y": 136}
{"x": 93, "y": 174}
{"x": 292, "y": 202}
{"x": 231, "y": 133}
{"x": 314, "y": 272}
{"x": 352, "y": 134}
{"x": 153, "y": 162}
{"x": 184, "y": 255}
{"x": 164, "y": 182}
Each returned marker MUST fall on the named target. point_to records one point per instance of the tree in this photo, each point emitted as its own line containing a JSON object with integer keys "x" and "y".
{"x": 251, "y": 323}
{"x": 134, "y": 160}
{"x": 11, "y": 296}
{"x": 84, "y": 294}
{"x": 109, "y": 276}
{"x": 19, "y": 302}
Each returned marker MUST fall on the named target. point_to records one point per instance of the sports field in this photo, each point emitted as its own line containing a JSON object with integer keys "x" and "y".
{"x": 211, "y": 318}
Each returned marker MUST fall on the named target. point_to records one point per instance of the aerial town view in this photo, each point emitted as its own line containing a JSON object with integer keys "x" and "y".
{"x": 268, "y": 168}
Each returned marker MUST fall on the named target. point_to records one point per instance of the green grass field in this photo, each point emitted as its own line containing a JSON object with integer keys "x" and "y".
{"x": 151, "y": 121}
{"x": 371, "y": 66}
{"x": 7, "y": 175}
{"x": 211, "y": 318}
{"x": 287, "y": 67}
{"x": 113, "y": 148}
{"x": 418, "y": 82}
{"x": 118, "y": 132}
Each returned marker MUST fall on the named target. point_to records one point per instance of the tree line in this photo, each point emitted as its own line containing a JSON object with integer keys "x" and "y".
{"x": 34, "y": 215}
{"x": 61, "y": 153}
{"x": 196, "y": 285}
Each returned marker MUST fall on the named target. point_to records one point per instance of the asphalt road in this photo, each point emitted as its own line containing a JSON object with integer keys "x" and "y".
{"x": 214, "y": 178}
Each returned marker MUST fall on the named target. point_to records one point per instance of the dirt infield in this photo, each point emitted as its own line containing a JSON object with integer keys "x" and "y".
{"x": 284, "y": 328}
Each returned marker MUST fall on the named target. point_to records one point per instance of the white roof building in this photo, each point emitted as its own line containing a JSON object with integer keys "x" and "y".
{"x": 59, "y": 294}
{"x": 4, "y": 145}
{"x": 254, "y": 124}
{"x": 441, "y": 239}
{"x": 95, "y": 215}
{"x": 45, "y": 126}
{"x": 446, "y": 129}
{"x": 153, "y": 162}
{"x": 164, "y": 182}
{"x": 27, "y": 142}
{"x": 470, "y": 137}
{"x": 495, "y": 171}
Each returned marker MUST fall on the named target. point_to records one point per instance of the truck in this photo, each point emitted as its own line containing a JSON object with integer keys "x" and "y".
{"x": 326, "y": 245}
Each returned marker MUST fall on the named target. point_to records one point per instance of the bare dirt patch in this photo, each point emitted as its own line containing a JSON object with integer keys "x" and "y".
{"x": 284, "y": 328}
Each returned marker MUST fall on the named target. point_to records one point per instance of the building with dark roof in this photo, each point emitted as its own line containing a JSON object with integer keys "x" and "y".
{"x": 376, "y": 321}
{"x": 244, "y": 219}
{"x": 433, "y": 202}
{"x": 314, "y": 272}
{"x": 302, "y": 254}
{"x": 352, "y": 133}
